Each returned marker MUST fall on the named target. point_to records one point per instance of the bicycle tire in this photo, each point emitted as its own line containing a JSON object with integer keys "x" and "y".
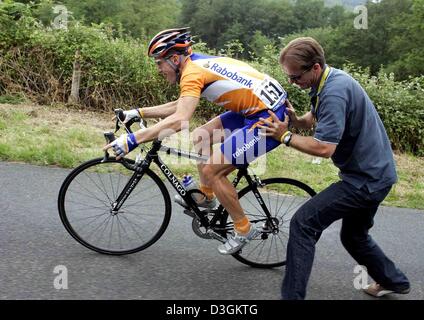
{"x": 81, "y": 183}
{"x": 292, "y": 191}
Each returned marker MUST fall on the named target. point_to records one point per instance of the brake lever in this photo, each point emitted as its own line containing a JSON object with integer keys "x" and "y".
{"x": 120, "y": 117}
{"x": 109, "y": 137}
{"x": 117, "y": 127}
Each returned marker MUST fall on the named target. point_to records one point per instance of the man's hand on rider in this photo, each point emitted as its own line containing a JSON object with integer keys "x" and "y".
{"x": 274, "y": 129}
{"x": 123, "y": 145}
{"x": 291, "y": 112}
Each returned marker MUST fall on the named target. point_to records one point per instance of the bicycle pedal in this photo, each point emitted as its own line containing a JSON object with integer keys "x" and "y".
{"x": 216, "y": 236}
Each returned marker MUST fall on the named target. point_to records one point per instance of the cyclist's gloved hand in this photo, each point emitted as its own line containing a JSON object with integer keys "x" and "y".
{"x": 123, "y": 145}
{"x": 130, "y": 114}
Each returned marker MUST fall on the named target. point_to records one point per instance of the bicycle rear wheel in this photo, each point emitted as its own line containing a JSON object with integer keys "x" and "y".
{"x": 85, "y": 208}
{"x": 282, "y": 197}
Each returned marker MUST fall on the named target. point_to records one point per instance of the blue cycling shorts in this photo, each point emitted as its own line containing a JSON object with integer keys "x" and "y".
{"x": 242, "y": 143}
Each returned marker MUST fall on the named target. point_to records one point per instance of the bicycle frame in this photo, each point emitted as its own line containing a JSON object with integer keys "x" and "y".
{"x": 152, "y": 156}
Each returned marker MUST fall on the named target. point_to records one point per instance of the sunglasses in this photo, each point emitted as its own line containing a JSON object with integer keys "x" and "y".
{"x": 297, "y": 77}
{"x": 159, "y": 61}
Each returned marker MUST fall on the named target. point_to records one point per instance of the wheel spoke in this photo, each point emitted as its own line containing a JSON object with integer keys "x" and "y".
{"x": 282, "y": 198}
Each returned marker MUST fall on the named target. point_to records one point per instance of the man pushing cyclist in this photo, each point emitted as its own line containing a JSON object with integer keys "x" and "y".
{"x": 246, "y": 93}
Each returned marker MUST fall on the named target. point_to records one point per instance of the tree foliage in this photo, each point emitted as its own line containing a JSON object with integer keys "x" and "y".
{"x": 137, "y": 18}
{"x": 393, "y": 40}
{"x": 219, "y": 21}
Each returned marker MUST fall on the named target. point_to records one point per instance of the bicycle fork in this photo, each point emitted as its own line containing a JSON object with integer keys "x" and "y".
{"x": 129, "y": 187}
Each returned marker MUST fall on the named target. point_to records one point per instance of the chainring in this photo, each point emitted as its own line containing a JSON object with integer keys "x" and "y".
{"x": 200, "y": 231}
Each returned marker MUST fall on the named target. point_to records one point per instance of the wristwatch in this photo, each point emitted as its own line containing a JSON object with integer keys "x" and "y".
{"x": 287, "y": 138}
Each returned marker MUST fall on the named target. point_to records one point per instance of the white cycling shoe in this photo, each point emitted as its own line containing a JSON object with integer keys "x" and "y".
{"x": 237, "y": 241}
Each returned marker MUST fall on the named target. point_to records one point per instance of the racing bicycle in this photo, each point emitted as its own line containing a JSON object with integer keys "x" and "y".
{"x": 120, "y": 207}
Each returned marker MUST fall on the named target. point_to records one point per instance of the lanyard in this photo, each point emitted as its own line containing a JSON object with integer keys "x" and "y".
{"x": 320, "y": 87}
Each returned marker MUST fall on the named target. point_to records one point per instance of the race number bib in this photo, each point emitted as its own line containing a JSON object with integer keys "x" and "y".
{"x": 270, "y": 92}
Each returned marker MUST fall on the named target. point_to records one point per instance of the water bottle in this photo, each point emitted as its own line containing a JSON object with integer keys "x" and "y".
{"x": 189, "y": 184}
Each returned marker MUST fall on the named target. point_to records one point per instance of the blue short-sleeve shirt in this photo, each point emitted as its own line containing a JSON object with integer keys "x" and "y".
{"x": 345, "y": 116}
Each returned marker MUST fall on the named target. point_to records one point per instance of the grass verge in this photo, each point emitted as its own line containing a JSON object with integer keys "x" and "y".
{"x": 64, "y": 137}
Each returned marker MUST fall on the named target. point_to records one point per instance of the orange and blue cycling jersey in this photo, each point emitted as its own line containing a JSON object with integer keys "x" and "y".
{"x": 246, "y": 93}
{"x": 230, "y": 83}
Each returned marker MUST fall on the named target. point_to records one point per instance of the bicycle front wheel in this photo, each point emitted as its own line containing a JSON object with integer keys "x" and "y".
{"x": 85, "y": 208}
{"x": 282, "y": 197}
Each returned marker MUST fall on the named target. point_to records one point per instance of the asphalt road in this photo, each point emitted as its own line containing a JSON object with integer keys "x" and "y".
{"x": 180, "y": 265}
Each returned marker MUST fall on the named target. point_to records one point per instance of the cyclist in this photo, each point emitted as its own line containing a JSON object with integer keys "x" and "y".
{"x": 246, "y": 93}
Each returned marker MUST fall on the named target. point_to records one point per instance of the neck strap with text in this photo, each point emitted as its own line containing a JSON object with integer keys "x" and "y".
{"x": 320, "y": 87}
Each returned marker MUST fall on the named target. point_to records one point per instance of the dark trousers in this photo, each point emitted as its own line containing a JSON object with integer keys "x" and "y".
{"x": 357, "y": 209}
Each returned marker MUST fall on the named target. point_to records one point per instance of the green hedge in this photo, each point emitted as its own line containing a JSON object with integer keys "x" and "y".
{"x": 37, "y": 61}
{"x": 400, "y": 106}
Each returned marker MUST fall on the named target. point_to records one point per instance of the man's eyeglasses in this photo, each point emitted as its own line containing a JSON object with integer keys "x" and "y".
{"x": 297, "y": 77}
